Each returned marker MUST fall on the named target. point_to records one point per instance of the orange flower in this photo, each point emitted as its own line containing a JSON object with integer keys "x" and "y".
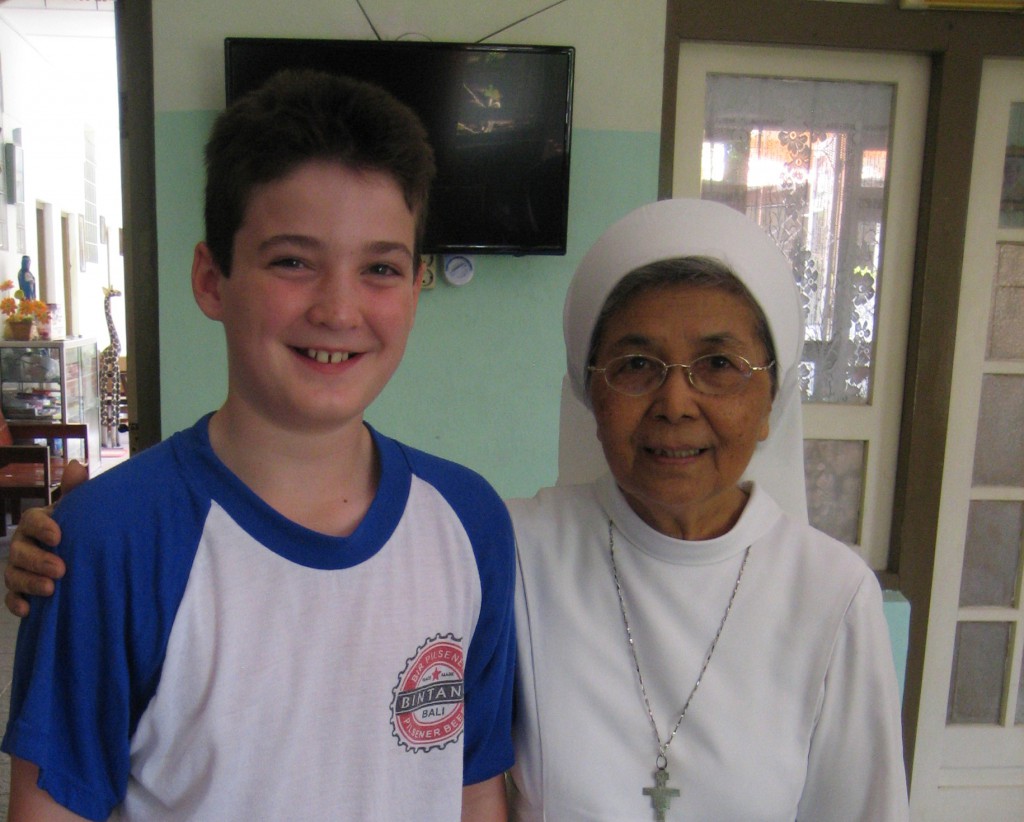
{"x": 40, "y": 310}
{"x": 6, "y": 285}
{"x": 19, "y": 311}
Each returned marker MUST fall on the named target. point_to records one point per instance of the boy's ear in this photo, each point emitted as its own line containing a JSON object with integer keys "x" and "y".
{"x": 206, "y": 282}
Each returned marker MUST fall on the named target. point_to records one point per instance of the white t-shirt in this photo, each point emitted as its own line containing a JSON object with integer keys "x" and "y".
{"x": 205, "y": 658}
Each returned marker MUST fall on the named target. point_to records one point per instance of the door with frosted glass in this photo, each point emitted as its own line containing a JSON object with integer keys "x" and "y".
{"x": 823, "y": 149}
{"x": 969, "y": 755}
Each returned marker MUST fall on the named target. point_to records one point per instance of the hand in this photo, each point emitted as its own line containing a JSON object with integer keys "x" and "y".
{"x": 30, "y": 568}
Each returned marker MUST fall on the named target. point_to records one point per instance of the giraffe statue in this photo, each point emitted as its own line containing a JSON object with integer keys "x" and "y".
{"x": 110, "y": 380}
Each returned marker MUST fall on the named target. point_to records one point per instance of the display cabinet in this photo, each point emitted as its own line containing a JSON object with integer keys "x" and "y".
{"x": 52, "y": 380}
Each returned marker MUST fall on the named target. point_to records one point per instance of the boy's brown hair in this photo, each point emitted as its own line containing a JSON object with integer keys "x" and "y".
{"x": 303, "y": 116}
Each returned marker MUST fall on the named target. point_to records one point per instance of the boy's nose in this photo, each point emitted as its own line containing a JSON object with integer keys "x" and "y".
{"x": 335, "y": 304}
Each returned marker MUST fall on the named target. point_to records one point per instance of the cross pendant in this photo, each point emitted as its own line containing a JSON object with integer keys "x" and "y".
{"x": 661, "y": 795}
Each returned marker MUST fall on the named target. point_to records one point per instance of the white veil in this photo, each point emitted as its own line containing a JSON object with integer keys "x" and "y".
{"x": 683, "y": 228}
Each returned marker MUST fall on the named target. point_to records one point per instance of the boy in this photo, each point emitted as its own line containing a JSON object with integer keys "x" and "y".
{"x": 286, "y": 614}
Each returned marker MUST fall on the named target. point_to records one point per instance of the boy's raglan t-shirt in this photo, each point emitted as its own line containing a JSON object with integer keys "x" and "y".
{"x": 206, "y": 658}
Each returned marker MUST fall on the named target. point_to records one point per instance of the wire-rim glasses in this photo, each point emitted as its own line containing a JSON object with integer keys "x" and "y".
{"x": 712, "y": 374}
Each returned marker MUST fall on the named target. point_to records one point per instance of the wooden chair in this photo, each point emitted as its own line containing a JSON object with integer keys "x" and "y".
{"x": 29, "y": 469}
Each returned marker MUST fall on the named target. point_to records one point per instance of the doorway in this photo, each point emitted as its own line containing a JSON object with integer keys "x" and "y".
{"x": 66, "y": 56}
{"x": 970, "y": 733}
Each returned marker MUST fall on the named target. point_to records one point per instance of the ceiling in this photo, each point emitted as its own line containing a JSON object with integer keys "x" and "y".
{"x": 76, "y": 37}
{"x": 68, "y": 33}
{"x": 61, "y": 5}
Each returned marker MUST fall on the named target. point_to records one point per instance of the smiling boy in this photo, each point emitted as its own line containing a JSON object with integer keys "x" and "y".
{"x": 289, "y": 615}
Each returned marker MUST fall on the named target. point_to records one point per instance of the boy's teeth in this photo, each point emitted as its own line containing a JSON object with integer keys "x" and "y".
{"x": 327, "y": 356}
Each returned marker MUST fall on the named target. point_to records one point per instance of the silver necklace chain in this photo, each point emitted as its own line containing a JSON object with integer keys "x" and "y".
{"x": 663, "y": 746}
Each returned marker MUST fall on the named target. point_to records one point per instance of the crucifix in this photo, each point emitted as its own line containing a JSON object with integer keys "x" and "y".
{"x": 661, "y": 795}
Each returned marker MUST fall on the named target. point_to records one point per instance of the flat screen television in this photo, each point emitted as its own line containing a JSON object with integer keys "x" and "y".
{"x": 499, "y": 118}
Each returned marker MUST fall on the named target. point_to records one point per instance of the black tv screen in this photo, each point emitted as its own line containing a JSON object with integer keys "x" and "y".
{"x": 499, "y": 118}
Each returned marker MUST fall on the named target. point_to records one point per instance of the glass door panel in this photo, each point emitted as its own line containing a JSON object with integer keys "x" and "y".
{"x": 807, "y": 160}
{"x": 970, "y": 738}
{"x": 823, "y": 149}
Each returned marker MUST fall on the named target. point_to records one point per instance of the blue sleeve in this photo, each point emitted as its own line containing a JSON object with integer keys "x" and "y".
{"x": 88, "y": 658}
{"x": 490, "y": 660}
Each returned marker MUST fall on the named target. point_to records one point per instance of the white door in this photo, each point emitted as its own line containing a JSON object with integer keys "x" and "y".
{"x": 824, "y": 149}
{"x": 969, "y": 756}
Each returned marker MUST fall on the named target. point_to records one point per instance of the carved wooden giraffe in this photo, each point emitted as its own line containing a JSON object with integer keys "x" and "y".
{"x": 110, "y": 379}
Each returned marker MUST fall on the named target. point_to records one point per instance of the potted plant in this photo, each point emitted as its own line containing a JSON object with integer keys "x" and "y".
{"x": 21, "y": 315}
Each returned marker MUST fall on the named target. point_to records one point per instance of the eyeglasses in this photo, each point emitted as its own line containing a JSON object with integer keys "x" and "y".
{"x": 713, "y": 374}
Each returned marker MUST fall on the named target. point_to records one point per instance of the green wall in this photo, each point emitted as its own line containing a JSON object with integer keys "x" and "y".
{"x": 481, "y": 378}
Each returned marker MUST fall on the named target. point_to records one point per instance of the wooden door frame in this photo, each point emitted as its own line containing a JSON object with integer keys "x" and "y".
{"x": 956, "y": 43}
{"x": 134, "y": 33}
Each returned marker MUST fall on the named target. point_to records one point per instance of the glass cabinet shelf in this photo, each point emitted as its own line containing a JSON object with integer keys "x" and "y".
{"x": 54, "y": 380}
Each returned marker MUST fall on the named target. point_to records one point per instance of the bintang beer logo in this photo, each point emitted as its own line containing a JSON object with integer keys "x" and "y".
{"x": 427, "y": 709}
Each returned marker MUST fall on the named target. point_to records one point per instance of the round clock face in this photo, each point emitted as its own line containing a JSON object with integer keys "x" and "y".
{"x": 458, "y": 270}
